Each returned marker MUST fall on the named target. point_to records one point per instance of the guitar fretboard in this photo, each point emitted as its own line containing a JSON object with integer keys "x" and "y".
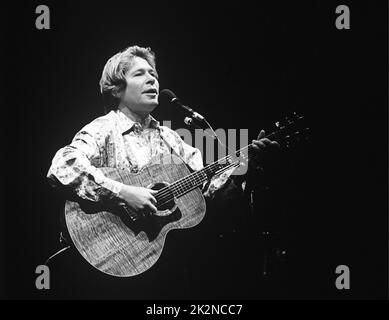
{"x": 197, "y": 178}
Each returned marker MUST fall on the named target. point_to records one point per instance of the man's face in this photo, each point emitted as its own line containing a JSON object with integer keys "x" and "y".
{"x": 141, "y": 93}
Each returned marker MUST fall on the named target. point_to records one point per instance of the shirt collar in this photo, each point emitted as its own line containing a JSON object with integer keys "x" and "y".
{"x": 127, "y": 125}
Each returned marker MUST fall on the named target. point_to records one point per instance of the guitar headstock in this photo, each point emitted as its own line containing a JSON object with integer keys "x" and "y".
{"x": 290, "y": 131}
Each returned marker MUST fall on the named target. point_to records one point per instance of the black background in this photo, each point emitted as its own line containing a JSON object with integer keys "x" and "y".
{"x": 243, "y": 66}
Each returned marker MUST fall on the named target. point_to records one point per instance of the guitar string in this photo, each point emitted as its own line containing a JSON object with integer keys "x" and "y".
{"x": 166, "y": 189}
{"x": 201, "y": 177}
{"x": 167, "y": 199}
{"x": 181, "y": 184}
{"x": 182, "y": 187}
{"x": 177, "y": 190}
{"x": 236, "y": 163}
{"x": 184, "y": 182}
{"x": 194, "y": 187}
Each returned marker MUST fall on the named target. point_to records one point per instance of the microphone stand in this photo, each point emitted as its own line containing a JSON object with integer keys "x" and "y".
{"x": 265, "y": 234}
{"x": 251, "y": 188}
{"x": 266, "y": 237}
{"x": 270, "y": 241}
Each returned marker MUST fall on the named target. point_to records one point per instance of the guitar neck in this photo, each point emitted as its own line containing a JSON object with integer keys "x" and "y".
{"x": 198, "y": 178}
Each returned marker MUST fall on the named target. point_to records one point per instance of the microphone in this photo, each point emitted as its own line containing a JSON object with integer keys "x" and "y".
{"x": 168, "y": 96}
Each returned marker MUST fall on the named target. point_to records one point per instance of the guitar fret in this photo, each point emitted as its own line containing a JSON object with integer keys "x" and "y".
{"x": 193, "y": 180}
{"x": 197, "y": 178}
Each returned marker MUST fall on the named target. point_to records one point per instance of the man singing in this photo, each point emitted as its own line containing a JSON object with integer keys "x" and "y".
{"x": 128, "y": 137}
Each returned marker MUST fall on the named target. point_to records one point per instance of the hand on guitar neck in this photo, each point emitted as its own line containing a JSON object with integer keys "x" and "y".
{"x": 262, "y": 144}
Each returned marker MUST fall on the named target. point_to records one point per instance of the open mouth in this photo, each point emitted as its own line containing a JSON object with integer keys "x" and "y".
{"x": 150, "y": 91}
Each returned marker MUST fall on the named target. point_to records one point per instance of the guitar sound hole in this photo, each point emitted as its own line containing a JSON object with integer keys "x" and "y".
{"x": 165, "y": 199}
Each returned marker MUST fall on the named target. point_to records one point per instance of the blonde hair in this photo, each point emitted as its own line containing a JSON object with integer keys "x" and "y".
{"x": 113, "y": 77}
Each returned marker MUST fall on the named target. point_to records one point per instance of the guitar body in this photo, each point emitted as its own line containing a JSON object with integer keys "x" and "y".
{"x": 109, "y": 238}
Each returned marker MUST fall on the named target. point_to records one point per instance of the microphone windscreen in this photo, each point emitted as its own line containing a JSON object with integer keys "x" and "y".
{"x": 166, "y": 96}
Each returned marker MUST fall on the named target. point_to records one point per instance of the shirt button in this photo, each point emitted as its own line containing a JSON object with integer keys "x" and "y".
{"x": 137, "y": 127}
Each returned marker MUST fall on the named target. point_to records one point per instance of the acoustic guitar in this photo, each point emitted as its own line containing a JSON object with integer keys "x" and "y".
{"x": 121, "y": 243}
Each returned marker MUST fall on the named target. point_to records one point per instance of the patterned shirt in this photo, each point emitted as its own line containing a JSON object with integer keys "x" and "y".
{"x": 114, "y": 140}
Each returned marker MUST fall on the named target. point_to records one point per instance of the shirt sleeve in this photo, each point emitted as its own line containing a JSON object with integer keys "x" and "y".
{"x": 72, "y": 167}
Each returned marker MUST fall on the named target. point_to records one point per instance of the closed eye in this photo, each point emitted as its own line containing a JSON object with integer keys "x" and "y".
{"x": 142, "y": 72}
